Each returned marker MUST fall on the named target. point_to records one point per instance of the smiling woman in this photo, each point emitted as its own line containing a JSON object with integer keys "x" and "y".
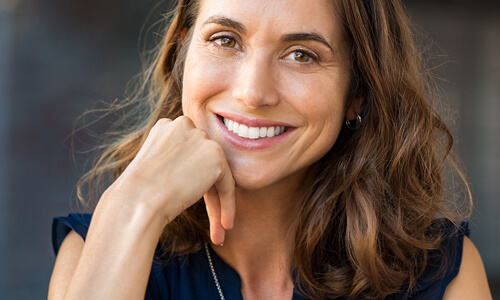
{"x": 282, "y": 69}
{"x": 292, "y": 151}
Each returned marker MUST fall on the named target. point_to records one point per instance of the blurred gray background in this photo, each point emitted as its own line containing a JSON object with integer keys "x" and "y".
{"x": 59, "y": 57}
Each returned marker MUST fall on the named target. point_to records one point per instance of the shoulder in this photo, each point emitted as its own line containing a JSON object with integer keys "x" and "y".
{"x": 454, "y": 271}
{"x": 470, "y": 282}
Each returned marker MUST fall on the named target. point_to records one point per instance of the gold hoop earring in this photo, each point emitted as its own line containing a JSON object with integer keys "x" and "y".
{"x": 354, "y": 124}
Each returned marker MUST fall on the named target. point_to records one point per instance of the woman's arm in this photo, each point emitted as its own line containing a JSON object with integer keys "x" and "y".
{"x": 113, "y": 263}
{"x": 176, "y": 166}
{"x": 65, "y": 266}
{"x": 471, "y": 282}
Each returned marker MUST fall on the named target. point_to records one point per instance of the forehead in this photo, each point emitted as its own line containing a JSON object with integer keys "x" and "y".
{"x": 283, "y": 16}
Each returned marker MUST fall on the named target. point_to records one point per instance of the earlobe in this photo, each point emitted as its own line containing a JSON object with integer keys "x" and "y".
{"x": 355, "y": 109}
{"x": 353, "y": 114}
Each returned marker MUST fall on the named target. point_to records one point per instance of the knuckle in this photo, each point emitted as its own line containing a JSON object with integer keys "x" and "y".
{"x": 201, "y": 133}
{"x": 217, "y": 155}
{"x": 215, "y": 147}
{"x": 162, "y": 122}
{"x": 184, "y": 121}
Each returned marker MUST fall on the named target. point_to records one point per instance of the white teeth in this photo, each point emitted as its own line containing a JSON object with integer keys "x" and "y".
{"x": 270, "y": 132}
{"x": 243, "y": 131}
{"x": 263, "y": 132}
{"x": 253, "y": 132}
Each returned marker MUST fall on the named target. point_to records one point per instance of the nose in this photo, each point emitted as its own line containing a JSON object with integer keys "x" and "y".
{"x": 254, "y": 85}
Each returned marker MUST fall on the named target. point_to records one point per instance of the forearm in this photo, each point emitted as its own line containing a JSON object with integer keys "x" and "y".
{"x": 116, "y": 260}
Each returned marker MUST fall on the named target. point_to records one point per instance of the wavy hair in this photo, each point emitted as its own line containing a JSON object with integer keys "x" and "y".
{"x": 369, "y": 214}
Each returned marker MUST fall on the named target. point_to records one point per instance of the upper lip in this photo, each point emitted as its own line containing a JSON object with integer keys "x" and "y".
{"x": 252, "y": 122}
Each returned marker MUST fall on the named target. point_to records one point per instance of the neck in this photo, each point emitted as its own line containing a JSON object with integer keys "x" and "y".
{"x": 260, "y": 245}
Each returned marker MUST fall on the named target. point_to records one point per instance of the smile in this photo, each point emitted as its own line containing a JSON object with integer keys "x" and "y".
{"x": 253, "y": 133}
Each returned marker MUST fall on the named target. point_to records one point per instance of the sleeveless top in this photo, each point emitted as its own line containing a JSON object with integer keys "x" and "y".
{"x": 190, "y": 277}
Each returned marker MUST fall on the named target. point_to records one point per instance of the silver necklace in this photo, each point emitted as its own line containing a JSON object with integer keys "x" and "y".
{"x": 214, "y": 275}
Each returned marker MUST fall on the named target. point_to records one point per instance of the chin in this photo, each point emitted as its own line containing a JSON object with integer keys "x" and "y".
{"x": 251, "y": 175}
{"x": 255, "y": 179}
{"x": 251, "y": 180}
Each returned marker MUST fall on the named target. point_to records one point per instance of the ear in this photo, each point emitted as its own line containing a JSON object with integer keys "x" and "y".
{"x": 183, "y": 34}
{"x": 355, "y": 108}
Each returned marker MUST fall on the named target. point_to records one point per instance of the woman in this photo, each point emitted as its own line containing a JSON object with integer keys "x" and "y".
{"x": 305, "y": 129}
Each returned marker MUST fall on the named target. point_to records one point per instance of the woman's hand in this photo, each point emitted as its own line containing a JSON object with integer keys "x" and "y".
{"x": 176, "y": 166}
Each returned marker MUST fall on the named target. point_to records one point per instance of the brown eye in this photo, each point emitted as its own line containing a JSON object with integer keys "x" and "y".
{"x": 301, "y": 56}
{"x": 227, "y": 42}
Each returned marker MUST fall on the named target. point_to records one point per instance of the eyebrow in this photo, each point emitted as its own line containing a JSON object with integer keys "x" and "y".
{"x": 227, "y": 22}
{"x": 294, "y": 37}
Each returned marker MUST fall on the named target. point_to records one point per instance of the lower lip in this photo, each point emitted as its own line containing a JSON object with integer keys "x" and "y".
{"x": 249, "y": 144}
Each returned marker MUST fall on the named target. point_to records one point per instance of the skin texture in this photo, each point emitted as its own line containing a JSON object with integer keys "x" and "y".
{"x": 248, "y": 68}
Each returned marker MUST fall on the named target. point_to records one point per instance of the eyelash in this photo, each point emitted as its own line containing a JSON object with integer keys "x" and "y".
{"x": 312, "y": 57}
{"x": 221, "y": 37}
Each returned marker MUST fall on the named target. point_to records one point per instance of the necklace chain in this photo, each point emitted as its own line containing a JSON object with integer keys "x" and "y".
{"x": 213, "y": 273}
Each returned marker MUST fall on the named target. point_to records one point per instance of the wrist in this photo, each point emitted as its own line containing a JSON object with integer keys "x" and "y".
{"x": 131, "y": 212}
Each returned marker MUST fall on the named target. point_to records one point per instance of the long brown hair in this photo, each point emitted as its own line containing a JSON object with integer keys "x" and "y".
{"x": 369, "y": 213}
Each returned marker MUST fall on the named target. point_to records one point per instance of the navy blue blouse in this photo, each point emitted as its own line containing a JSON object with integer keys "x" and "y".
{"x": 190, "y": 277}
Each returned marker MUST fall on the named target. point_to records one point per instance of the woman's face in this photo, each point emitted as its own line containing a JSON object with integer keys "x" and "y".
{"x": 257, "y": 68}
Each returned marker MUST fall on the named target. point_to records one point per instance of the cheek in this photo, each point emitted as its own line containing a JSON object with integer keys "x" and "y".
{"x": 319, "y": 99}
{"x": 202, "y": 79}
